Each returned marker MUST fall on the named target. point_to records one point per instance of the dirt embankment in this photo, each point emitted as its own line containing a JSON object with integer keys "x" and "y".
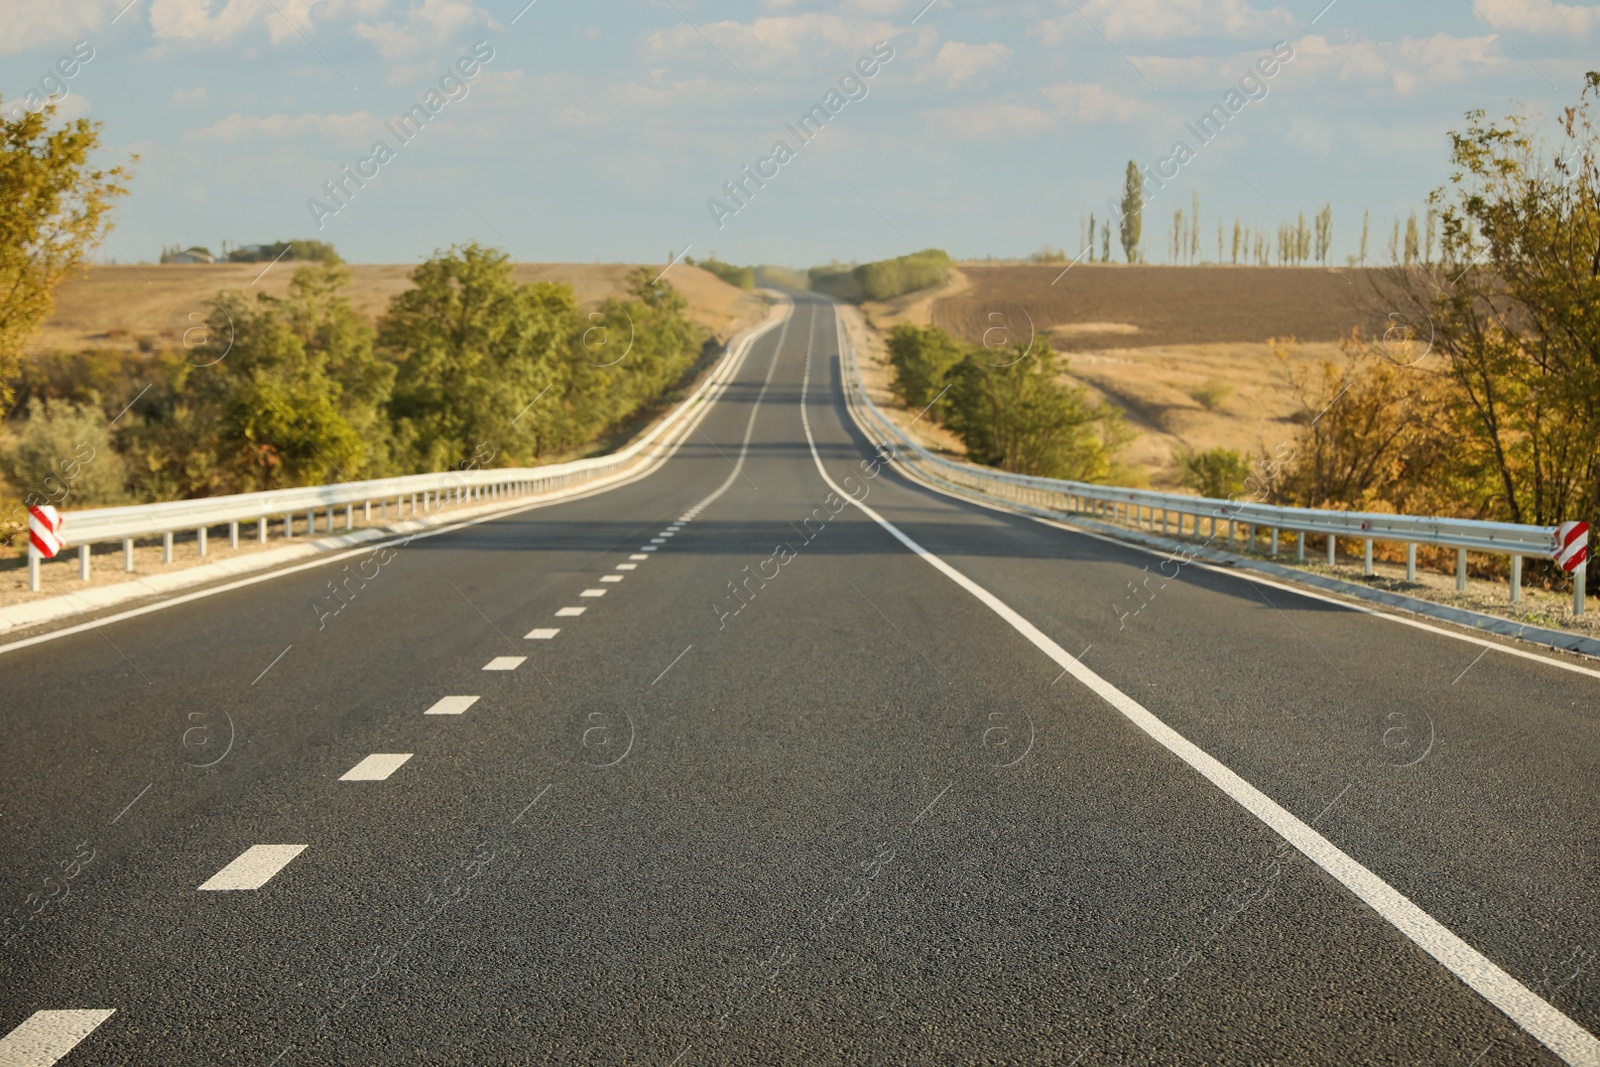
{"x": 120, "y": 306}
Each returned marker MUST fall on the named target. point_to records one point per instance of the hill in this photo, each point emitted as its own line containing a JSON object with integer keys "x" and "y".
{"x": 118, "y": 306}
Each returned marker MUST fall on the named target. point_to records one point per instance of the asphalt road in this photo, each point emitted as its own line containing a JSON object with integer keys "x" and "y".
{"x": 789, "y": 792}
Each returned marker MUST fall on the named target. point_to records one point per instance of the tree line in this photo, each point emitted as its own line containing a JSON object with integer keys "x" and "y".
{"x": 272, "y": 392}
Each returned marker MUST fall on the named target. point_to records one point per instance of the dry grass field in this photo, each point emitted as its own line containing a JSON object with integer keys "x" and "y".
{"x": 119, "y": 306}
{"x": 1185, "y": 351}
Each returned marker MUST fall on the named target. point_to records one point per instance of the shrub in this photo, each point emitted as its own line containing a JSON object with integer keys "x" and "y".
{"x": 743, "y": 277}
{"x": 1216, "y": 472}
{"x": 1019, "y": 418}
{"x": 886, "y": 279}
{"x": 920, "y": 359}
{"x": 1210, "y": 393}
{"x": 61, "y": 455}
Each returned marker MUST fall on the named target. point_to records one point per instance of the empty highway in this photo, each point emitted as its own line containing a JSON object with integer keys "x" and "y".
{"x": 775, "y": 756}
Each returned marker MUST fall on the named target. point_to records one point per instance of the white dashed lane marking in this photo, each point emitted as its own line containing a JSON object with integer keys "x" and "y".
{"x": 567, "y": 613}
{"x": 505, "y": 663}
{"x": 627, "y": 566}
{"x": 543, "y": 633}
{"x": 254, "y": 868}
{"x": 636, "y": 555}
{"x": 611, "y": 577}
{"x": 646, "y": 548}
{"x": 657, "y": 541}
{"x": 376, "y": 767}
{"x": 593, "y": 592}
{"x": 46, "y": 1036}
{"x": 451, "y": 705}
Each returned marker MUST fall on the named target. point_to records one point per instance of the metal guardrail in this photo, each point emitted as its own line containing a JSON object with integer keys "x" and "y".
{"x": 411, "y": 494}
{"x": 1167, "y": 513}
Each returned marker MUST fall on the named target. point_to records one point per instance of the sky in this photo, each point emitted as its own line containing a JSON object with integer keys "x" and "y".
{"x": 580, "y": 130}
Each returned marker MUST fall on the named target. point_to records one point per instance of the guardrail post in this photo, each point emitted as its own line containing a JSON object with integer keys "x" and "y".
{"x": 127, "y": 554}
{"x": 1230, "y": 535}
{"x": 311, "y": 521}
{"x": 413, "y": 503}
{"x": 200, "y": 538}
{"x": 1274, "y": 552}
{"x": 366, "y": 511}
{"x": 33, "y": 569}
{"x": 1366, "y": 558}
{"x": 233, "y": 534}
{"x": 349, "y": 516}
{"x": 166, "y": 547}
{"x": 83, "y": 563}
{"x": 1516, "y": 579}
{"x": 1580, "y": 578}
{"x": 261, "y": 530}
{"x": 329, "y": 517}
{"x": 288, "y": 526}
{"x": 383, "y": 507}
{"x": 1411, "y": 561}
{"x": 1461, "y": 570}
{"x": 1300, "y": 546}
{"x": 1333, "y": 549}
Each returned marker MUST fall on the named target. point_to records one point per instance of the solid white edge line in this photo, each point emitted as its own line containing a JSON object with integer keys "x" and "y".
{"x": 46, "y": 1036}
{"x": 715, "y": 388}
{"x": 1538, "y": 1017}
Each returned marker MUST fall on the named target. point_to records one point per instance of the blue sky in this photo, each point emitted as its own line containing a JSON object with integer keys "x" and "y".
{"x": 600, "y": 131}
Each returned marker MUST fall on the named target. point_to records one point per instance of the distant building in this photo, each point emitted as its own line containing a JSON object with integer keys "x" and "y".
{"x": 187, "y": 255}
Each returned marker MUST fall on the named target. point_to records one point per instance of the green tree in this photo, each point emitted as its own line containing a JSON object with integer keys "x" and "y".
{"x": 1132, "y": 212}
{"x": 474, "y": 348}
{"x": 276, "y": 392}
{"x": 920, "y": 359}
{"x": 53, "y": 211}
{"x": 1018, "y": 417}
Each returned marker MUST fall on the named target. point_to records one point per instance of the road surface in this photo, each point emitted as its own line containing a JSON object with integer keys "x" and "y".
{"x": 713, "y": 768}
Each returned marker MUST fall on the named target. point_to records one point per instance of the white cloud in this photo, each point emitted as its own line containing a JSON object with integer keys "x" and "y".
{"x": 237, "y": 127}
{"x": 217, "y": 22}
{"x": 795, "y": 42}
{"x": 424, "y": 26}
{"x": 957, "y": 63}
{"x": 1162, "y": 20}
{"x": 1539, "y": 17}
{"x": 197, "y": 95}
{"x": 36, "y": 25}
{"x": 1008, "y": 118}
{"x": 1407, "y": 65}
{"x": 1093, "y": 102}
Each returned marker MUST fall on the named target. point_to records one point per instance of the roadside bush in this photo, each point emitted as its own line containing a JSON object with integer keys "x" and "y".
{"x": 1215, "y": 472}
{"x": 743, "y": 277}
{"x": 886, "y": 279}
{"x": 921, "y": 358}
{"x": 1020, "y": 418}
{"x": 61, "y": 455}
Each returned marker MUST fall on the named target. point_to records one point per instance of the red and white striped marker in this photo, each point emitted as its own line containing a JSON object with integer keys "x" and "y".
{"x": 1572, "y": 545}
{"x": 44, "y": 530}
